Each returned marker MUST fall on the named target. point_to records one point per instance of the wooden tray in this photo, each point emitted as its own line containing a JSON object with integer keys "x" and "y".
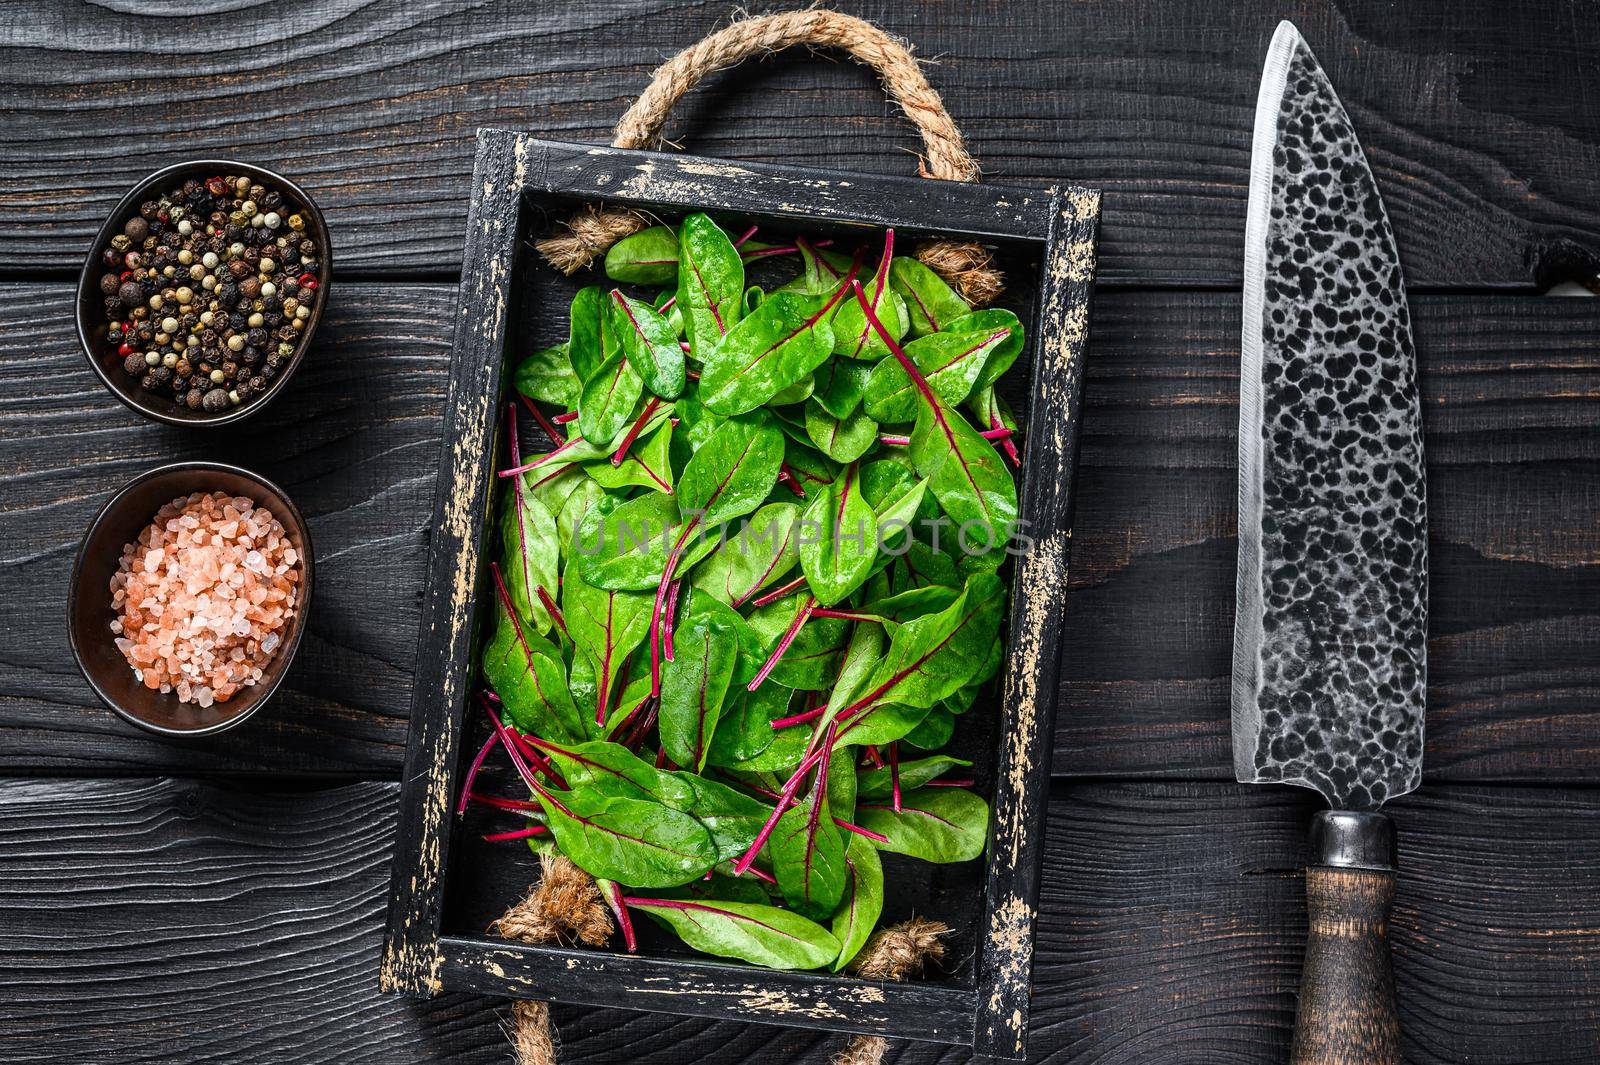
{"x": 447, "y": 885}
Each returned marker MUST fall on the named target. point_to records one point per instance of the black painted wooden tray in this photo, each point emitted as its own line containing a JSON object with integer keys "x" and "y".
{"x": 446, "y": 885}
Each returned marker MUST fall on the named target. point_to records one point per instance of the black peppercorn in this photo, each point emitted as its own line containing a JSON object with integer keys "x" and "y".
{"x": 194, "y": 399}
{"x": 149, "y": 209}
{"x": 257, "y": 383}
{"x": 215, "y": 400}
{"x": 131, "y": 294}
{"x": 109, "y": 283}
{"x": 133, "y": 364}
{"x": 111, "y": 257}
{"x": 148, "y": 382}
{"x": 136, "y": 228}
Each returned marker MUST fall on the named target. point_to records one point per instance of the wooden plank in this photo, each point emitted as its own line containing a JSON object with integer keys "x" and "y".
{"x": 1488, "y": 158}
{"x": 1511, "y": 394}
{"x": 163, "y": 920}
{"x": 355, "y": 442}
{"x": 211, "y": 924}
{"x": 1510, "y": 391}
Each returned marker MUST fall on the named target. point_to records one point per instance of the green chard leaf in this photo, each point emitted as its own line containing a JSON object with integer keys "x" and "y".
{"x": 952, "y": 363}
{"x": 862, "y": 905}
{"x": 710, "y": 283}
{"x": 734, "y": 471}
{"x": 637, "y": 842}
{"x": 622, "y": 545}
{"x": 609, "y": 399}
{"x": 807, "y": 851}
{"x": 647, "y": 464}
{"x": 605, "y": 627}
{"x": 761, "y": 935}
{"x": 853, "y": 335}
{"x": 526, "y": 672}
{"x": 930, "y": 303}
{"x": 530, "y": 555}
{"x": 649, "y": 343}
{"x": 548, "y": 377}
{"x": 808, "y": 664}
{"x": 992, "y": 320}
{"x": 838, "y": 539}
{"x": 732, "y": 817}
{"x": 762, "y": 551}
{"x": 872, "y": 784}
{"x": 648, "y": 257}
{"x": 611, "y": 769}
{"x": 932, "y": 656}
{"x": 934, "y": 824}
{"x": 589, "y": 343}
{"x": 933, "y": 731}
{"x": 693, "y": 686}
{"x": 838, "y": 385}
{"x": 841, "y": 439}
{"x": 967, "y": 475}
{"x": 776, "y": 346}
{"x": 745, "y": 730}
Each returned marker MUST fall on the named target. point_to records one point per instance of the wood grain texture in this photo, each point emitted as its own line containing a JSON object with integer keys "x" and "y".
{"x": 217, "y": 924}
{"x": 354, "y": 441}
{"x": 160, "y": 920}
{"x": 1347, "y": 1013}
{"x": 1472, "y": 113}
{"x": 1511, "y": 392}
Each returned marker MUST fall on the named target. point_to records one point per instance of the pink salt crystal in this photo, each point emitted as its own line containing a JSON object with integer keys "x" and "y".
{"x": 190, "y": 592}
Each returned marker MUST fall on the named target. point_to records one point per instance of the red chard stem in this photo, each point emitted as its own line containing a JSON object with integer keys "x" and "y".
{"x": 779, "y": 592}
{"x": 472, "y": 773}
{"x": 783, "y": 644}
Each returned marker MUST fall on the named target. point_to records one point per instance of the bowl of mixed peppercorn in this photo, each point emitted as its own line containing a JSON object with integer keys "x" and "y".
{"x": 202, "y": 291}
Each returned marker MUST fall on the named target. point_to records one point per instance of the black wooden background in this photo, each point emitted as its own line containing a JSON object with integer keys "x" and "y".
{"x": 222, "y": 903}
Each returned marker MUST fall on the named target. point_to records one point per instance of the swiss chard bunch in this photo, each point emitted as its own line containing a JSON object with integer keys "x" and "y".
{"x": 745, "y": 595}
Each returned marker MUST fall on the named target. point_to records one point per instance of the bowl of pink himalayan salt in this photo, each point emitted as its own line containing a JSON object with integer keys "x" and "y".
{"x": 189, "y": 597}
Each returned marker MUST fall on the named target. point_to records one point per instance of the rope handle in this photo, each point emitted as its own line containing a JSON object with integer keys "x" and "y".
{"x": 967, "y": 267}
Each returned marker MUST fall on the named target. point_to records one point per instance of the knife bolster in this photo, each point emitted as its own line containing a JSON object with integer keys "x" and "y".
{"x": 1347, "y": 1010}
{"x": 1347, "y": 839}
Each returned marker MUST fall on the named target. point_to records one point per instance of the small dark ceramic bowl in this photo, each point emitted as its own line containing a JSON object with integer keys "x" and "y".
{"x": 89, "y": 610}
{"x": 92, "y": 326}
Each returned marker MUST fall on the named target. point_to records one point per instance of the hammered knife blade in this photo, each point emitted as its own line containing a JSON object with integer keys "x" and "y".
{"x": 1330, "y": 654}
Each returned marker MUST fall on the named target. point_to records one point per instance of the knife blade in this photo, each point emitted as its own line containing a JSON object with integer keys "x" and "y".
{"x": 1330, "y": 653}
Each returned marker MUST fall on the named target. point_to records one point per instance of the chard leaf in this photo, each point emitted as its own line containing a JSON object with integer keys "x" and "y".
{"x": 761, "y": 935}
{"x": 934, "y": 824}
{"x": 861, "y": 657}
{"x": 693, "y": 686}
{"x": 882, "y": 723}
{"x": 933, "y": 731}
{"x": 585, "y": 493}
{"x": 526, "y": 672}
{"x": 710, "y": 283}
{"x": 952, "y": 362}
{"x": 886, "y": 479}
{"x": 798, "y": 392}
{"x": 879, "y": 783}
{"x": 732, "y": 817}
{"x": 989, "y": 409}
{"x": 1000, "y": 359}
{"x": 841, "y": 439}
{"x": 807, "y": 852}
{"x": 853, "y": 335}
{"x": 589, "y": 342}
{"x": 622, "y": 545}
{"x": 647, "y": 464}
{"x": 914, "y": 602}
{"x": 745, "y": 730}
{"x": 610, "y": 769}
{"x": 633, "y": 841}
{"x": 530, "y": 554}
{"x": 776, "y": 346}
{"x": 810, "y": 467}
{"x": 732, "y": 473}
{"x": 649, "y": 343}
{"x": 858, "y": 913}
{"x": 783, "y": 752}
{"x": 924, "y": 566}
{"x": 808, "y": 664}
{"x": 763, "y": 550}
{"x": 895, "y": 517}
{"x": 930, "y": 303}
{"x": 838, "y": 385}
{"x": 967, "y": 475}
{"x": 605, "y": 627}
{"x": 548, "y": 377}
{"x": 838, "y": 539}
{"x": 648, "y": 257}
{"x": 607, "y": 404}
{"x": 931, "y": 656}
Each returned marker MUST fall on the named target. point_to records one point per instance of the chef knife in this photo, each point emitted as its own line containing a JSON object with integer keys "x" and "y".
{"x": 1329, "y": 655}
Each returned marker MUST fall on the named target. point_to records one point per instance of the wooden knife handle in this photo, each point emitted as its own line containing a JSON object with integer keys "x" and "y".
{"x": 1347, "y": 1013}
